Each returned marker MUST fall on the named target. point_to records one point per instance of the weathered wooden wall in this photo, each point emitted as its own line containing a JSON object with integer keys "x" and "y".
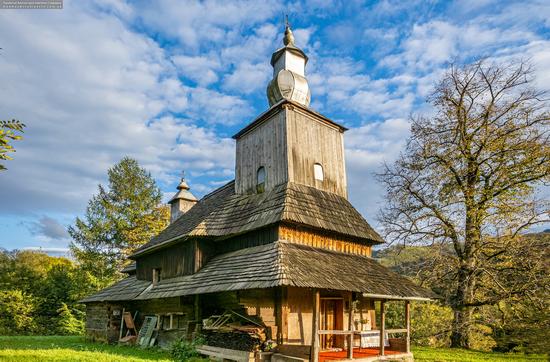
{"x": 310, "y": 141}
{"x": 264, "y": 146}
{"x": 101, "y": 324}
{"x": 288, "y": 144}
{"x": 297, "y": 316}
{"x": 260, "y": 303}
{"x": 324, "y": 240}
{"x": 163, "y": 306}
{"x": 173, "y": 261}
{"x": 255, "y": 238}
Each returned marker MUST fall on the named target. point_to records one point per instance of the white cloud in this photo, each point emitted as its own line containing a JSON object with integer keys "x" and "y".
{"x": 87, "y": 104}
{"x": 248, "y": 78}
{"x": 367, "y": 148}
{"x": 163, "y": 81}
{"x": 195, "y": 23}
{"x": 201, "y": 69}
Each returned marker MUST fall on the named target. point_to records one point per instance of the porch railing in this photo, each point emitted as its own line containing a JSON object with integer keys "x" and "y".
{"x": 350, "y": 333}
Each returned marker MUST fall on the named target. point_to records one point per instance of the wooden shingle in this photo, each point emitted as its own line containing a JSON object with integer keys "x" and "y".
{"x": 224, "y": 213}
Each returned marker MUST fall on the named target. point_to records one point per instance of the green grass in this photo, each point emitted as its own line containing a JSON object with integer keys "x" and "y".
{"x": 452, "y": 355}
{"x": 72, "y": 348}
{"x": 65, "y": 349}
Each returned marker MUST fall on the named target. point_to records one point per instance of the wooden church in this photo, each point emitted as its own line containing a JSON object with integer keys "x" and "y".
{"x": 278, "y": 254}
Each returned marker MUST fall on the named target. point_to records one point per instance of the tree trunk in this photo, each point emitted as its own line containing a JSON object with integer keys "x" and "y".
{"x": 460, "y": 336}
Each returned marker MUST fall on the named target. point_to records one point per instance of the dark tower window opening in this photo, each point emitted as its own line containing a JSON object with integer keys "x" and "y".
{"x": 156, "y": 276}
{"x": 318, "y": 172}
{"x": 260, "y": 180}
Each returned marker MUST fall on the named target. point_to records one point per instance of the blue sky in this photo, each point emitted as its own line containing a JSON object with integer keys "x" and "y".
{"x": 169, "y": 82}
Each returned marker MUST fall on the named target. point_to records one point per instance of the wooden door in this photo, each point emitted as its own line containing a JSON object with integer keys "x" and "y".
{"x": 332, "y": 318}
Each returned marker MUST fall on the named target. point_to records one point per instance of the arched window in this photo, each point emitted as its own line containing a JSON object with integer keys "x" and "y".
{"x": 318, "y": 172}
{"x": 260, "y": 180}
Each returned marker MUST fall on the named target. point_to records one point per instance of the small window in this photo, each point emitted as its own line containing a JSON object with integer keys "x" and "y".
{"x": 260, "y": 180}
{"x": 318, "y": 172}
{"x": 156, "y": 276}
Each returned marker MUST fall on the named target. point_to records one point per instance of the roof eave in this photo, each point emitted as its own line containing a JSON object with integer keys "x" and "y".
{"x": 396, "y": 297}
{"x": 277, "y": 54}
{"x": 267, "y": 114}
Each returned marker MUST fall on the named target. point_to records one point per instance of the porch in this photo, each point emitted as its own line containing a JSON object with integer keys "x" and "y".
{"x": 364, "y": 345}
{"x": 363, "y": 354}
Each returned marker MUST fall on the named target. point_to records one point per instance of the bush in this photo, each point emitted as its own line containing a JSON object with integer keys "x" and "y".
{"x": 430, "y": 324}
{"x": 67, "y": 323}
{"x": 184, "y": 350}
{"x": 16, "y": 309}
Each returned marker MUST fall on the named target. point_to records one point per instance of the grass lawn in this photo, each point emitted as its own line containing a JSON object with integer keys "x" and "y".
{"x": 74, "y": 348}
{"x": 452, "y": 355}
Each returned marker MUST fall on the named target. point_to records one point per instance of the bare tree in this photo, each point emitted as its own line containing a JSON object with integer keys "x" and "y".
{"x": 468, "y": 179}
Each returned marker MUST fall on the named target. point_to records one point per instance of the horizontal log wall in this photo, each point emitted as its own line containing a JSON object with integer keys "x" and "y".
{"x": 329, "y": 241}
{"x": 101, "y": 324}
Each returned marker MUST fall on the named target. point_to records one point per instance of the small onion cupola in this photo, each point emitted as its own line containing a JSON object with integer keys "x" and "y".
{"x": 182, "y": 201}
{"x": 289, "y": 80}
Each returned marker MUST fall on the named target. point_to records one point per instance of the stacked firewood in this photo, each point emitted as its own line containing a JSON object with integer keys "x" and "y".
{"x": 243, "y": 338}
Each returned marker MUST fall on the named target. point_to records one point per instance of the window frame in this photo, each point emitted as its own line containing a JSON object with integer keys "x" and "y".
{"x": 260, "y": 186}
{"x": 318, "y": 168}
{"x": 157, "y": 272}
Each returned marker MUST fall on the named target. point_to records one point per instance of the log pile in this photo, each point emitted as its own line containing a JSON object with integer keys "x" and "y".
{"x": 234, "y": 330}
{"x": 242, "y": 338}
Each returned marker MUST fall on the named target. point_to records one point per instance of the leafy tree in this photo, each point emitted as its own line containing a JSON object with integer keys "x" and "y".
{"x": 118, "y": 220}
{"x": 9, "y": 131}
{"x": 45, "y": 283}
{"x": 16, "y": 309}
{"x": 67, "y": 323}
{"x": 466, "y": 182}
{"x": 517, "y": 323}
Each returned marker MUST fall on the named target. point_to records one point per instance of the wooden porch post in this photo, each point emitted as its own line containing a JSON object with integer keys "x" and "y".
{"x": 350, "y": 327}
{"x": 382, "y": 326}
{"x": 197, "y": 308}
{"x": 315, "y": 327}
{"x": 408, "y": 325}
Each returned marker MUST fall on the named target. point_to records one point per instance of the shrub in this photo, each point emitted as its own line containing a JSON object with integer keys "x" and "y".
{"x": 16, "y": 308}
{"x": 68, "y": 323}
{"x": 183, "y": 350}
{"x": 430, "y": 324}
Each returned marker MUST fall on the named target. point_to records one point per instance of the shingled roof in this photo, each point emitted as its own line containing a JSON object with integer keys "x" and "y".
{"x": 126, "y": 289}
{"x": 282, "y": 264}
{"x": 224, "y": 213}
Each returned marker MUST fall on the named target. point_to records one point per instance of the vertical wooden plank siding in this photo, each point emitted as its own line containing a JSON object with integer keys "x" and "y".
{"x": 350, "y": 326}
{"x": 314, "y": 357}
{"x": 408, "y": 325}
{"x": 279, "y": 314}
{"x": 301, "y": 235}
{"x": 264, "y": 146}
{"x": 382, "y": 326}
{"x": 310, "y": 141}
{"x": 172, "y": 261}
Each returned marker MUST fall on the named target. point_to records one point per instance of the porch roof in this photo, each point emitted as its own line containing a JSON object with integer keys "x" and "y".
{"x": 286, "y": 264}
{"x": 126, "y": 289}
